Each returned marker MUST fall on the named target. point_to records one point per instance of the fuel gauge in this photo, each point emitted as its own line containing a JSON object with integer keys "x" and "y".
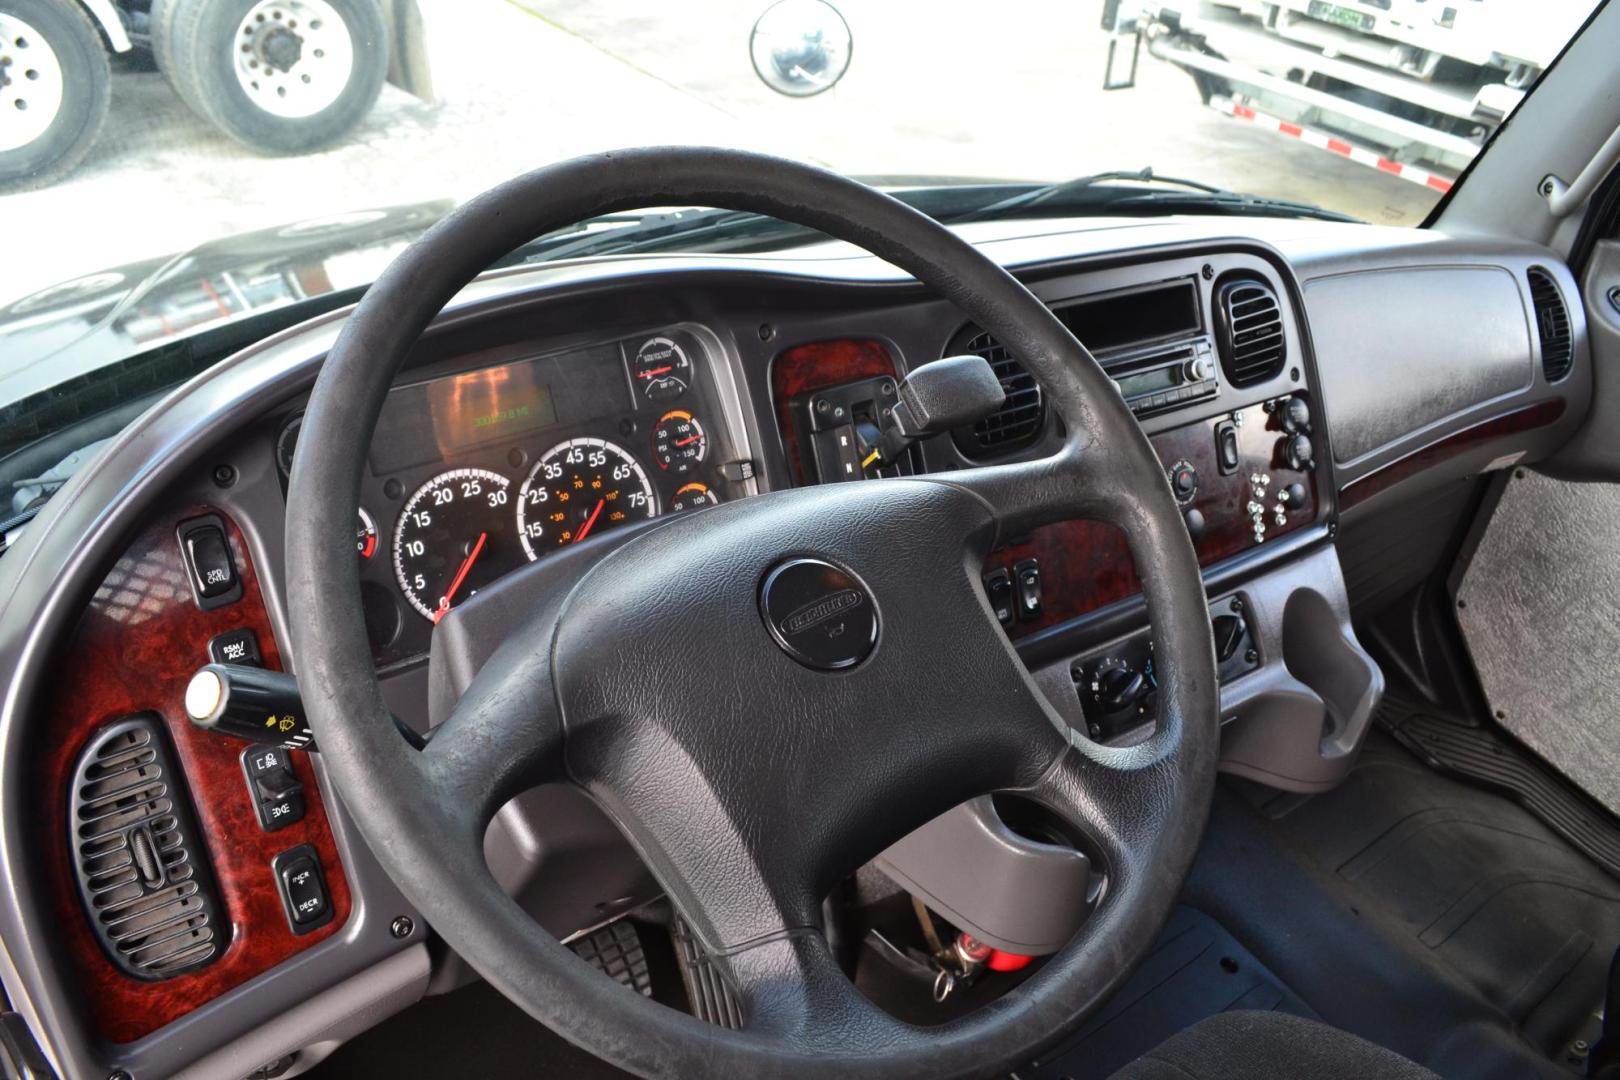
{"x": 661, "y": 370}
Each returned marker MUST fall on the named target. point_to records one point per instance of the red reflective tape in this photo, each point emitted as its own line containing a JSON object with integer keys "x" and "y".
{"x": 1291, "y": 129}
{"x": 1389, "y": 166}
{"x": 1243, "y": 111}
{"x": 1438, "y": 184}
{"x": 1339, "y": 146}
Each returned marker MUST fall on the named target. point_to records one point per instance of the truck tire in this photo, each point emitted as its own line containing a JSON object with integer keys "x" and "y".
{"x": 281, "y": 76}
{"x": 55, "y": 82}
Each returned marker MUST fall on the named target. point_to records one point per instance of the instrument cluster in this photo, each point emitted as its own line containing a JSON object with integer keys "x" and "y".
{"x": 472, "y": 474}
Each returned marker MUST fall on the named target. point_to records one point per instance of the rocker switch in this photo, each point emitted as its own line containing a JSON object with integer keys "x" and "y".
{"x": 1027, "y": 586}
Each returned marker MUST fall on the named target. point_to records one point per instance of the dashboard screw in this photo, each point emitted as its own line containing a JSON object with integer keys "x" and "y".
{"x": 1237, "y": 605}
{"x": 119, "y": 1074}
{"x": 1293, "y": 373}
{"x": 1208, "y": 271}
{"x": 402, "y": 926}
{"x": 1251, "y": 656}
{"x": 766, "y": 331}
{"x": 224, "y": 475}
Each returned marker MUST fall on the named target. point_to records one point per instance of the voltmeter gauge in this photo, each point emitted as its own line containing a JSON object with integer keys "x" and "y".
{"x": 679, "y": 442}
{"x": 661, "y": 370}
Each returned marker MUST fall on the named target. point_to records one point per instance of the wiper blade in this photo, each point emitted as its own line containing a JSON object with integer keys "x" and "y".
{"x": 1097, "y": 191}
{"x": 640, "y": 233}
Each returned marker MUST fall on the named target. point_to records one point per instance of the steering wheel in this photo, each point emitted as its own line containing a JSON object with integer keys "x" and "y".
{"x": 813, "y": 673}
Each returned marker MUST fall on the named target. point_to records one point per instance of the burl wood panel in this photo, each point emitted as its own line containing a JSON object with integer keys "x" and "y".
{"x": 137, "y": 645}
{"x": 1086, "y": 565}
{"x": 1516, "y": 422}
{"x": 816, "y": 366}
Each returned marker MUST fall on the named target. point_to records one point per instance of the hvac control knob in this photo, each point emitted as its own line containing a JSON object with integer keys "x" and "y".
{"x": 1118, "y": 686}
{"x": 1296, "y": 416}
{"x": 1299, "y": 453}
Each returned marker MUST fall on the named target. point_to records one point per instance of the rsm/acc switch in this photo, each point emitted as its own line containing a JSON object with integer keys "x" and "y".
{"x": 303, "y": 889}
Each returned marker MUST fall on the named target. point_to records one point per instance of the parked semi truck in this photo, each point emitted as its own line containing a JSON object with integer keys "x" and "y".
{"x": 1410, "y": 87}
{"x": 281, "y": 76}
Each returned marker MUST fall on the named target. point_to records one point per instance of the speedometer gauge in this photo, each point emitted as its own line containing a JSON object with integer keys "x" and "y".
{"x": 454, "y": 536}
{"x": 577, "y": 489}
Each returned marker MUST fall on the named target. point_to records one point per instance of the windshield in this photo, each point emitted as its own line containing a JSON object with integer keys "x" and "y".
{"x": 171, "y": 167}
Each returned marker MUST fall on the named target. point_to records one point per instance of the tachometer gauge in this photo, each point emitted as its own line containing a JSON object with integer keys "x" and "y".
{"x": 365, "y": 536}
{"x": 691, "y": 496}
{"x": 454, "y": 536}
{"x": 661, "y": 370}
{"x": 577, "y": 489}
{"x": 679, "y": 442}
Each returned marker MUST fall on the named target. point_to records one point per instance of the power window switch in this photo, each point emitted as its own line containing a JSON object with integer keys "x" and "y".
{"x": 998, "y": 588}
{"x": 1027, "y": 586}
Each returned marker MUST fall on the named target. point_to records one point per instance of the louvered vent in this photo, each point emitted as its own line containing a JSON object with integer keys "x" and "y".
{"x": 140, "y": 869}
{"x": 1019, "y": 419}
{"x": 1552, "y": 323}
{"x": 1249, "y": 331}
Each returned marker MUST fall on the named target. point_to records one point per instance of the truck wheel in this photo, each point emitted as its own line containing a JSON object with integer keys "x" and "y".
{"x": 54, "y": 87}
{"x": 282, "y": 76}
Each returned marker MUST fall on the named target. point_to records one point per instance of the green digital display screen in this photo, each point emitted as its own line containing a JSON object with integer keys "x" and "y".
{"x": 1150, "y": 382}
{"x": 440, "y": 419}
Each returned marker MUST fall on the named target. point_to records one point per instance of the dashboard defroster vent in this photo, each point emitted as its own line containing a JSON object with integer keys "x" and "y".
{"x": 1249, "y": 331}
{"x": 1017, "y": 423}
{"x": 136, "y": 848}
{"x": 1552, "y": 324}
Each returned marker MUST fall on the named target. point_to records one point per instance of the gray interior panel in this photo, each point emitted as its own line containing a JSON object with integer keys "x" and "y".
{"x": 1594, "y": 451}
{"x": 1538, "y": 608}
{"x": 1448, "y": 338}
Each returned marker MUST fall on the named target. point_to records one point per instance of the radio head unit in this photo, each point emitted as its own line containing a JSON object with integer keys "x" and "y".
{"x": 1151, "y": 340}
{"x": 1165, "y": 377}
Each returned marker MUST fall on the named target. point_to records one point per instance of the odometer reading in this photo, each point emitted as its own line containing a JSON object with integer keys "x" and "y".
{"x": 578, "y": 489}
{"x": 454, "y": 537}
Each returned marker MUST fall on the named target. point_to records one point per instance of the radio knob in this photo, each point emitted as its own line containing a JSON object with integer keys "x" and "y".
{"x": 1198, "y": 369}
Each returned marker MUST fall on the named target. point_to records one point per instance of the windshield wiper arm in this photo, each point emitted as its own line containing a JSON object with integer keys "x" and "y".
{"x": 1096, "y": 191}
{"x": 639, "y": 233}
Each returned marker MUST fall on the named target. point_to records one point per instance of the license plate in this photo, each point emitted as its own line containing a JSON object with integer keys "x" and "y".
{"x": 1339, "y": 16}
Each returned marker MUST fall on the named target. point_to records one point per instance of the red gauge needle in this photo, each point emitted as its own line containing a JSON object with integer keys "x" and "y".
{"x": 688, "y": 441}
{"x": 461, "y": 575}
{"x": 590, "y": 520}
{"x": 654, "y": 372}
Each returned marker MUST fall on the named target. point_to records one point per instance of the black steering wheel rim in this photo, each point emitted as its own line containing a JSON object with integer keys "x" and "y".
{"x": 1145, "y": 807}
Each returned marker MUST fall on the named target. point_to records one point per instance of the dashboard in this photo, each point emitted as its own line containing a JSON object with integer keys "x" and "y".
{"x": 1304, "y": 385}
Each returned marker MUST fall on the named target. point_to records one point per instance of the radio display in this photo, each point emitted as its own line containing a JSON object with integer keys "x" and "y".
{"x": 1135, "y": 316}
{"x": 1148, "y": 382}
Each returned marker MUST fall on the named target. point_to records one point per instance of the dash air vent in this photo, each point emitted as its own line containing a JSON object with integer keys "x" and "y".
{"x": 140, "y": 867}
{"x": 1018, "y": 421}
{"x": 1249, "y": 331}
{"x": 1552, "y": 324}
